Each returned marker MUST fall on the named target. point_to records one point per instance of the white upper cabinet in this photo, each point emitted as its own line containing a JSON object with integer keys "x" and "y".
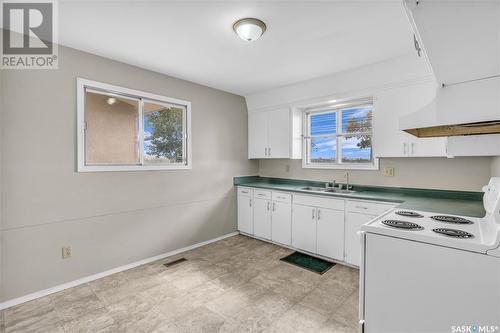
{"x": 389, "y": 139}
{"x": 258, "y": 124}
{"x": 269, "y": 134}
{"x": 421, "y": 95}
{"x": 461, "y": 39}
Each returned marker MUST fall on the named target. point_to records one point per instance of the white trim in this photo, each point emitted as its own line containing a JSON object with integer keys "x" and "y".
{"x": 336, "y": 106}
{"x": 140, "y": 95}
{"x": 55, "y": 289}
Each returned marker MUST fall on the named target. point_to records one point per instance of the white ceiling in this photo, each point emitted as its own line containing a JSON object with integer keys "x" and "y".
{"x": 195, "y": 41}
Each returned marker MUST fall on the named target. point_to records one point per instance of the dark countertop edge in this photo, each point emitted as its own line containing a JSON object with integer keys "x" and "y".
{"x": 405, "y": 191}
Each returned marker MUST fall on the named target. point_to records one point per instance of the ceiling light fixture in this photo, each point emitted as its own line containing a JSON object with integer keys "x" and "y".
{"x": 249, "y": 29}
{"x": 111, "y": 100}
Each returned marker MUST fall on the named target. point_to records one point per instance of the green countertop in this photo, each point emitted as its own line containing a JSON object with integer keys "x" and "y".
{"x": 438, "y": 201}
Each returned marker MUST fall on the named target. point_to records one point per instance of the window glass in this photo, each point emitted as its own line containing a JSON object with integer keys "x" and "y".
{"x": 339, "y": 136}
{"x": 323, "y": 150}
{"x": 111, "y": 128}
{"x": 163, "y": 133}
{"x": 356, "y": 149}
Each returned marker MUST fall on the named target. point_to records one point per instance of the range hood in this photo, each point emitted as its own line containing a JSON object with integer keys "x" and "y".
{"x": 471, "y": 108}
{"x": 460, "y": 40}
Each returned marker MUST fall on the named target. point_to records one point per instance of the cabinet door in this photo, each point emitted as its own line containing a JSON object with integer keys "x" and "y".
{"x": 330, "y": 240}
{"x": 304, "y": 228}
{"x": 262, "y": 218}
{"x": 353, "y": 224}
{"x": 245, "y": 216}
{"x": 388, "y": 139}
{"x": 421, "y": 95}
{"x": 282, "y": 223}
{"x": 279, "y": 133}
{"x": 257, "y": 134}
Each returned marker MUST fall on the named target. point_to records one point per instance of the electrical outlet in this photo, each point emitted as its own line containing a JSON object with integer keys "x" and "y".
{"x": 388, "y": 172}
{"x": 66, "y": 252}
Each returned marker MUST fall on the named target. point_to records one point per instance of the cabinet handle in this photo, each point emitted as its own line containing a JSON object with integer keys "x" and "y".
{"x": 268, "y": 203}
{"x": 274, "y": 206}
{"x": 250, "y": 202}
{"x": 313, "y": 211}
{"x": 417, "y": 45}
{"x": 244, "y": 191}
{"x": 269, "y": 151}
{"x": 319, "y": 214}
{"x": 404, "y": 148}
{"x": 360, "y": 207}
{"x": 265, "y": 151}
{"x": 413, "y": 148}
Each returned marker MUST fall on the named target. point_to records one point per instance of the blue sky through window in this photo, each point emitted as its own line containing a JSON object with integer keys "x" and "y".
{"x": 324, "y": 149}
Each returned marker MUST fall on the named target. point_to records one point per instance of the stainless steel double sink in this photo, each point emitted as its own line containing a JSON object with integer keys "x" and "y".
{"x": 326, "y": 190}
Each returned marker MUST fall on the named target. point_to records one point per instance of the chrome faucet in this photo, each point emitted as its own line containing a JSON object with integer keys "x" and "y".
{"x": 347, "y": 186}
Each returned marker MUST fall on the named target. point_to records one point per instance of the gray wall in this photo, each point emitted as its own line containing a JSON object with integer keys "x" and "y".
{"x": 1, "y": 186}
{"x": 495, "y": 166}
{"x": 465, "y": 173}
{"x": 114, "y": 218}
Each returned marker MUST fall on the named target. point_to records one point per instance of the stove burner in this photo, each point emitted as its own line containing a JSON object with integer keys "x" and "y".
{"x": 402, "y": 225}
{"x": 451, "y": 219}
{"x": 453, "y": 233}
{"x": 408, "y": 213}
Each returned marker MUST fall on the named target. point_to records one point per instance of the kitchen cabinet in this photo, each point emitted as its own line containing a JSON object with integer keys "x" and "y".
{"x": 322, "y": 225}
{"x": 330, "y": 233}
{"x": 262, "y": 214}
{"x": 318, "y": 225}
{"x": 281, "y": 225}
{"x": 304, "y": 228}
{"x": 389, "y": 139}
{"x": 421, "y": 95}
{"x": 443, "y": 28}
{"x": 269, "y": 133}
{"x": 257, "y": 134}
{"x": 245, "y": 210}
{"x": 358, "y": 213}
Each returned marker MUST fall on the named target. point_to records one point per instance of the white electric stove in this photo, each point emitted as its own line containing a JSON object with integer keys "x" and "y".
{"x": 431, "y": 272}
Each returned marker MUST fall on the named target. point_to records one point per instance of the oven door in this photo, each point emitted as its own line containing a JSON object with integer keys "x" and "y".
{"x": 409, "y": 286}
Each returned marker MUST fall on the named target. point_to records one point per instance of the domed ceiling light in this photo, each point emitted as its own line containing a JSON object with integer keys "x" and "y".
{"x": 249, "y": 29}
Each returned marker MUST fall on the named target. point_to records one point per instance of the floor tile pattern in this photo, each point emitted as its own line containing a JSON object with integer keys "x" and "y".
{"x": 234, "y": 285}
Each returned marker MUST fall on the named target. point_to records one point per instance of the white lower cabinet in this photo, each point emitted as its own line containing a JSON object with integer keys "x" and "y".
{"x": 262, "y": 218}
{"x": 304, "y": 228}
{"x": 245, "y": 210}
{"x": 358, "y": 213}
{"x": 330, "y": 233}
{"x": 353, "y": 223}
{"x": 281, "y": 218}
{"x": 317, "y": 224}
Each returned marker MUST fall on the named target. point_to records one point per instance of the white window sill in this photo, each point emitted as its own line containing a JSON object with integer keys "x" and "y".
{"x": 111, "y": 168}
{"x": 346, "y": 166}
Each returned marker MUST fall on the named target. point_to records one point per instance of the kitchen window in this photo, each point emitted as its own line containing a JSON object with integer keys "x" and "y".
{"x": 121, "y": 129}
{"x": 339, "y": 136}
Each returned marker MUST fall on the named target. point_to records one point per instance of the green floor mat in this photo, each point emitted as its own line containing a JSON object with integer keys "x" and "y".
{"x": 308, "y": 262}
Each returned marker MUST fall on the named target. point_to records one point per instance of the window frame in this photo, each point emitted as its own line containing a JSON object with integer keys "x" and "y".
{"x": 339, "y": 134}
{"x": 84, "y": 84}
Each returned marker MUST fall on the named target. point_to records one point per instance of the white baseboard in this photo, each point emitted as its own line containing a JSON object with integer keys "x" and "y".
{"x": 55, "y": 289}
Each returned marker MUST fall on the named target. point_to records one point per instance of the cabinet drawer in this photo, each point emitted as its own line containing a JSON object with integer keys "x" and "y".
{"x": 317, "y": 201}
{"x": 282, "y": 197}
{"x": 262, "y": 194}
{"x": 365, "y": 207}
{"x": 245, "y": 191}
